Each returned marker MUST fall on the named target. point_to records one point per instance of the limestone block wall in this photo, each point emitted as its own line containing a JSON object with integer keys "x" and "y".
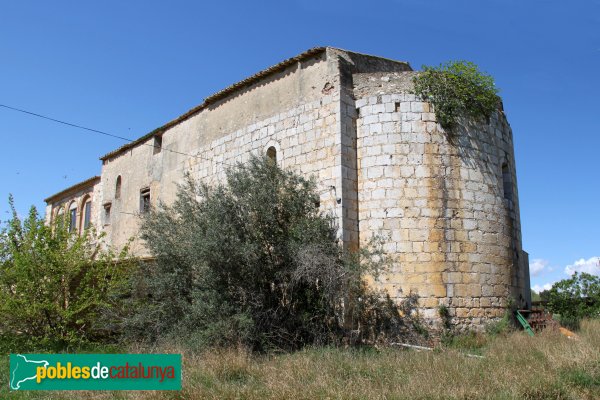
{"x": 447, "y": 205}
{"x": 439, "y": 201}
{"x": 305, "y": 111}
{"x": 76, "y": 197}
{"x": 296, "y": 111}
{"x": 305, "y": 140}
{"x": 349, "y": 63}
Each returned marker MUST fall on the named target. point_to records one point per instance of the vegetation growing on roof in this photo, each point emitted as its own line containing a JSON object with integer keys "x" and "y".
{"x": 457, "y": 89}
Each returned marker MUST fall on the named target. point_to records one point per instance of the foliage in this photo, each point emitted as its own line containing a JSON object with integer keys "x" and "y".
{"x": 514, "y": 367}
{"x": 253, "y": 262}
{"x": 444, "y": 313}
{"x": 501, "y": 327}
{"x": 457, "y": 89}
{"x": 575, "y": 298}
{"x": 472, "y": 340}
{"x": 56, "y": 287}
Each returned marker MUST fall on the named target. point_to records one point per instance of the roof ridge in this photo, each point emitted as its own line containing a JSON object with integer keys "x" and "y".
{"x": 369, "y": 55}
{"x": 218, "y": 96}
{"x": 233, "y": 88}
{"x": 72, "y": 187}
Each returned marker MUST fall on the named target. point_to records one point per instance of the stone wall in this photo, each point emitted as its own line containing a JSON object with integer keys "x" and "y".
{"x": 296, "y": 111}
{"x": 76, "y": 197}
{"x": 383, "y": 167}
{"x": 439, "y": 202}
{"x": 301, "y": 111}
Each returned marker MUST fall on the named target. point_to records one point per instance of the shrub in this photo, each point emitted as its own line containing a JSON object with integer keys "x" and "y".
{"x": 57, "y": 288}
{"x": 500, "y": 327}
{"x": 575, "y": 298}
{"x": 457, "y": 89}
{"x": 253, "y": 262}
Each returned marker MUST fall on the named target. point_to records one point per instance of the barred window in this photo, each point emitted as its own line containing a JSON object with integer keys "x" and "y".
{"x": 144, "y": 200}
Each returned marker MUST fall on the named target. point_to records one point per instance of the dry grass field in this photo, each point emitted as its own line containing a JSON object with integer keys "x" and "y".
{"x": 514, "y": 366}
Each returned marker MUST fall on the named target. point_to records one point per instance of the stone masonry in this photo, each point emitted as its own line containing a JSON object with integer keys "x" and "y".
{"x": 447, "y": 205}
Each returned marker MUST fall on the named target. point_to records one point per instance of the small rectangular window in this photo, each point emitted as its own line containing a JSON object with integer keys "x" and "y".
{"x": 157, "y": 144}
{"x": 107, "y": 207}
{"x": 87, "y": 216}
{"x": 145, "y": 200}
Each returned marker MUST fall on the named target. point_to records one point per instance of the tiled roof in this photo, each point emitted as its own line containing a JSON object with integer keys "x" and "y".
{"x": 218, "y": 96}
{"x": 75, "y": 187}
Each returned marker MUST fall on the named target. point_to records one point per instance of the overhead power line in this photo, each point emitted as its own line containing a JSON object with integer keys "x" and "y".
{"x": 106, "y": 133}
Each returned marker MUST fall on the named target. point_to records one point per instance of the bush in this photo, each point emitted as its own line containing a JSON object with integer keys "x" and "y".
{"x": 575, "y": 298}
{"x": 253, "y": 263}
{"x": 457, "y": 89}
{"x": 56, "y": 288}
{"x": 501, "y": 327}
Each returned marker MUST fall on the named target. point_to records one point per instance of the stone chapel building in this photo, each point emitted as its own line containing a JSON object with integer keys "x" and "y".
{"x": 448, "y": 207}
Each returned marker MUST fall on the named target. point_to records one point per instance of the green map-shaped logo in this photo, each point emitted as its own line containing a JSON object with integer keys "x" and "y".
{"x": 95, "y": 371}
{"x": 23, "y": 369}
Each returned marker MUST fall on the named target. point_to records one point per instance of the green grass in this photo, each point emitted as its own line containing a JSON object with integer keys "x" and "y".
{"x": 515, "y": 366}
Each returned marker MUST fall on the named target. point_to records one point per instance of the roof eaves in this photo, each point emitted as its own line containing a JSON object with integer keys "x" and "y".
{"x": 373, "y": 56}
{"x": 77, "y": 186}
{"x": 218, "y": 96}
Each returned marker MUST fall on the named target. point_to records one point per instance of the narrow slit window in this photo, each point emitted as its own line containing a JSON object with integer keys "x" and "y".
{"x": 145, "y": 200}
{"x": 118, "y": 188}
{"x": 272, "y": 154}
{"x": 157, "y": 144}
{"x": 107, "y": 207}
{"x": 507, "y": 182}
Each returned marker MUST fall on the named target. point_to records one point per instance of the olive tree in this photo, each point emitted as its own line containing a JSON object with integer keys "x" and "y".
{"x": 252, "y": 261}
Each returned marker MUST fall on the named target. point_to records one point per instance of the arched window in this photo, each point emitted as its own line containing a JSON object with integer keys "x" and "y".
{"x": 118, "y": 188}
{"x": 72, "y": 217}
{"x": 272, "y": 153}
{"x": 507, "y": 182}
{"x": 57, "y": 213}
{"x": 86, "y": 213}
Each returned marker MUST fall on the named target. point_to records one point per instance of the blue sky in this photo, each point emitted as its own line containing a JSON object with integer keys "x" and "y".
{"x": 128, "y": 67}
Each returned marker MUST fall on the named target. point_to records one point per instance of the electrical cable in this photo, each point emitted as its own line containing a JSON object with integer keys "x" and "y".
{"x": 106, "y": 133}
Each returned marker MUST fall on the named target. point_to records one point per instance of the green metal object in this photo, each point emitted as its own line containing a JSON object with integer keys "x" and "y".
{"x": 524, "y": 323}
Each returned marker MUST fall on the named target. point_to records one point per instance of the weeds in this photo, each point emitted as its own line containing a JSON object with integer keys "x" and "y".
{"x": 515, "y": 366}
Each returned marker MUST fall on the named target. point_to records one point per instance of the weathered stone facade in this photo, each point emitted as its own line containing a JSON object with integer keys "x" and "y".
{"x": 447, "y": 205}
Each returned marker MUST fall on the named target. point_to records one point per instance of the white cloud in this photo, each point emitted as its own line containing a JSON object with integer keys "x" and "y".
{"x": 591, "y": 266}
{"x": 538, "y": 288}
{"x": 537, "y": 265}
